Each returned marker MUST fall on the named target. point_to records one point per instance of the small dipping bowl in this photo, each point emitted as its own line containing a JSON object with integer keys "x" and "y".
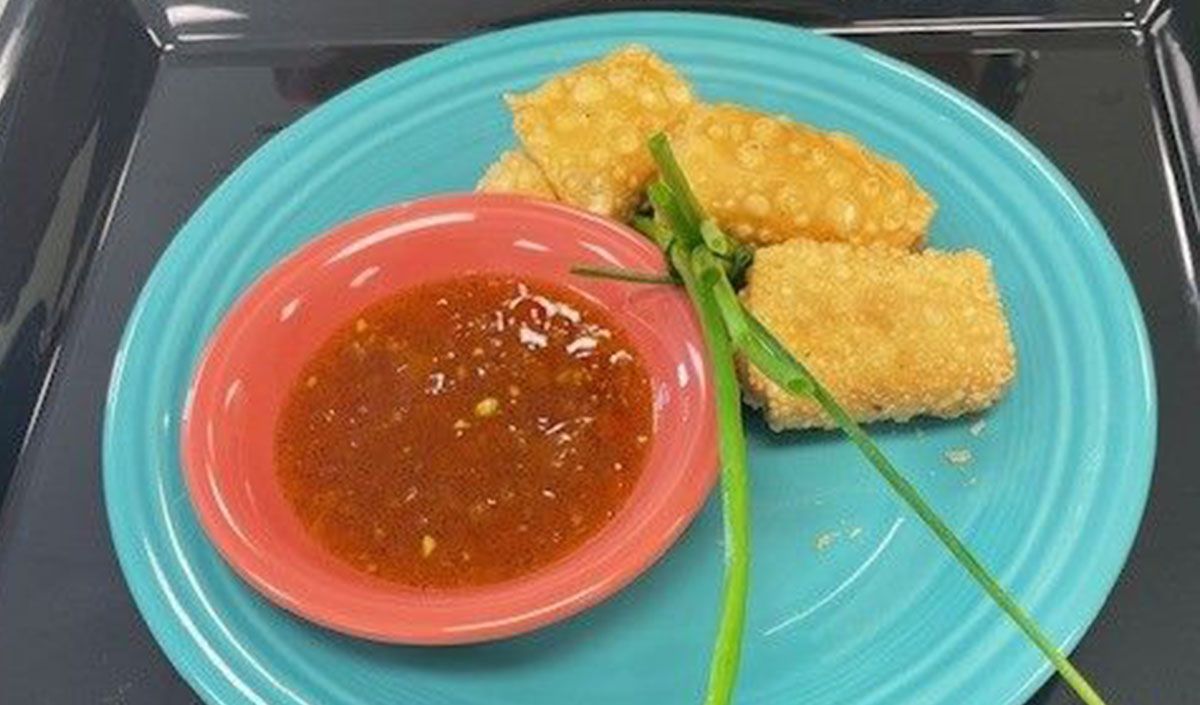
{"x": 255, "y": 355}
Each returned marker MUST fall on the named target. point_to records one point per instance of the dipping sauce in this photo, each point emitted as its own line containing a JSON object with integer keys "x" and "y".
{"x": 465, "y": 432}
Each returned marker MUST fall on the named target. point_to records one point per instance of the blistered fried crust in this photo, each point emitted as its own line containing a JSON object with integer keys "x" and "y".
{"x": 514, "y": 172}
{"x": 768, "y": 179}
{"x": 892, "y": 334}
{"x": 587, "y": 128}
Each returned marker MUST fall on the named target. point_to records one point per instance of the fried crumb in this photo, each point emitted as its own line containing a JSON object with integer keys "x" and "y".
{"x": 958, "y": 456}
{"x": 825, "y": 541}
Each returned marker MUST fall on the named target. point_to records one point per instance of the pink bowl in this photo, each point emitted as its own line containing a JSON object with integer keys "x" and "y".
{"x": 258, "y": 350}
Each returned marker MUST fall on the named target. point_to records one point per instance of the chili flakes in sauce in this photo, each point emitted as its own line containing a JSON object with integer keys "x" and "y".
{"x": 465, "y": 432}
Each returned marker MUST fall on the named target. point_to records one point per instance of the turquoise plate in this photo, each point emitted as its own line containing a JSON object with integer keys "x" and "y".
{"x": 852, "y": 601}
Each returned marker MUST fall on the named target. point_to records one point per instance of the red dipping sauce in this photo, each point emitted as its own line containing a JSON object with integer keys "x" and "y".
{"x": 465, "y": 432}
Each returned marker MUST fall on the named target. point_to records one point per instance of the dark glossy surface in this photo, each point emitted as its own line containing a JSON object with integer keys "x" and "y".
{"x": 67, "y": 124}
{"x": 222, "y": 24}
{"x": 1112, "y": 103}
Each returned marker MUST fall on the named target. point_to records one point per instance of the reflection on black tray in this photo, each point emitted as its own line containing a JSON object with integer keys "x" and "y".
{"x": 87, "y": 84}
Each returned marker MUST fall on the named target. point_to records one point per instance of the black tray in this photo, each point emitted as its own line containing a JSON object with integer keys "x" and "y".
{"x": 116, "y": 120}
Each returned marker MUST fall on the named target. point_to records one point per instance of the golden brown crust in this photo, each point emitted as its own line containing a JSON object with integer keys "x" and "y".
{"x": 892, "y": 334}
{"x": 768, "y": 179}
{"x": 514, "y": 172}
{"x": 587, "y": 128}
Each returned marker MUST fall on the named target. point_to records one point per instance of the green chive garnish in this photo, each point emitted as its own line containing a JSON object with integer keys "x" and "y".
{"x": 708, "y": 264}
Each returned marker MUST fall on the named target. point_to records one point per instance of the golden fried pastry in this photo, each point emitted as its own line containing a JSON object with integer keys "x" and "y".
{"x": 514, "y": 172}
{"x": 767, "y": 179}
{"x": 587, "y": 128}
{"x": 892, "y": 334}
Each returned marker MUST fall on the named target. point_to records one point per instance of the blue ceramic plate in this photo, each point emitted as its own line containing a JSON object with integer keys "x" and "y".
{"x": 852, "y": 601}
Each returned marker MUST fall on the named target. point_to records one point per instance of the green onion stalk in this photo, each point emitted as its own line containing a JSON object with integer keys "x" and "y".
{"x": 708, "y": 265}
